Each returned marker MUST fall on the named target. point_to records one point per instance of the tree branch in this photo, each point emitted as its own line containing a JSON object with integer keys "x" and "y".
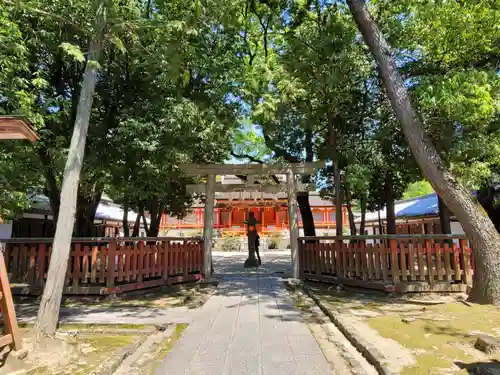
{"x": 279, "y": 151}
{"x": 417, "y": 69}
{"x": 255, "y": 160}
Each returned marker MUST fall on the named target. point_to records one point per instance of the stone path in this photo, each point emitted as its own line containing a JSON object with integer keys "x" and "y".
{"x": 250, "y": 326}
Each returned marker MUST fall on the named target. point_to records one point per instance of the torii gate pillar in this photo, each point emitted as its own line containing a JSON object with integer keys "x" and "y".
{"x": 293, "y": 222}
{"x": 208, "y": 221}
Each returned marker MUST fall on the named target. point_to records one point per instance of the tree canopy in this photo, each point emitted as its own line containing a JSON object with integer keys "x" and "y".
{"x": 258, "y": 80}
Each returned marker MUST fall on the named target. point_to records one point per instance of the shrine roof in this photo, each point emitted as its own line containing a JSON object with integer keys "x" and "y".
{"x": 106, "y": 210}
{"x": 426, "y": 205}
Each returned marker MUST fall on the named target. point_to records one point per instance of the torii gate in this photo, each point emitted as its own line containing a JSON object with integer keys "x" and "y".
{"x": 251, "y": 170}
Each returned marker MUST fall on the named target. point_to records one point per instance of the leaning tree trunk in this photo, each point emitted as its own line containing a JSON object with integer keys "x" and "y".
{"x": 306, "y": 213}
{"x": 48, "y": 313}
{"x": 478, "y": 227}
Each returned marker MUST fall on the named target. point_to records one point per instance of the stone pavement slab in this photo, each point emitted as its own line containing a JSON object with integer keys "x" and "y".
{"x": 249, "y": 327}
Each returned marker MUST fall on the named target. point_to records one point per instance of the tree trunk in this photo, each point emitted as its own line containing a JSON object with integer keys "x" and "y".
{"x": 487, "y": 196}
{"x": 352, "y": 223}
{"x": 363, "y": 216}
{"x": 332, "y": 140}
{"x": 444, "y": 217}
{"x": 303, "y": 197}
{"x": 137, "y": 223}
{"x": 144, "y": 220}
{"x": 390, "y": 216}
{"x": 48, "y": 313}
{"x": 338, "y": 199}
{"x": 86, "y": 209}
{"x": 126, "y": 229}
{"x": 478, "y": 227}
{"x": 51, "y": 187}
{"x": 380, "y": 226}
{"x": 155, "y": 210}
{"x": 306, "y": 214}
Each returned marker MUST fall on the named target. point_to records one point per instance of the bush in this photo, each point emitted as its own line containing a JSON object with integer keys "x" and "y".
{"x": 230, "y": 244}
{"x": 273, "y": 242}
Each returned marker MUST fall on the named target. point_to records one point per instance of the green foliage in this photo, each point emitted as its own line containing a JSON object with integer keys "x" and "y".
{"x": 230, "y": 244}
{"x": 273, "y": 242}
{"x": 73, "y": 51}
{"x": 160, "y": 98}
{"x": 247, "y": 144}
{"x": 417, "y": 189}
{"x": 183, "y": 81}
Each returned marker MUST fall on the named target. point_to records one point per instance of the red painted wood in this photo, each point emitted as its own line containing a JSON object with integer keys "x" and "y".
{"x": 41, "y": 264}
{"x": 110, "y": 275}
{"x": 77, "y": 253}
{"x": 135, "y": 265}
{"x": 32, "y": 264}
{"x": 140, "y": 261}
{"x": 93, "y": 265}
{"x": 102, "y": 264}
{"x": 85, "y": 263}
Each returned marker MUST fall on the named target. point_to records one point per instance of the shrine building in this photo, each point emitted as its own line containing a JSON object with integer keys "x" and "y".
{"x": 232, "y": 209}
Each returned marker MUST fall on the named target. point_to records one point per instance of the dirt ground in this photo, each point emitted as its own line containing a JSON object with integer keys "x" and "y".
{"x": 88, "y": 349}
{"x": 440, "y": 330}
{"x": 75, "y": 350}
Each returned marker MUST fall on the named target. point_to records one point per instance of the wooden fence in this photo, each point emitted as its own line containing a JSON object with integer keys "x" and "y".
{"x": 402, "y": 263}
{"x": 106, "y": 265}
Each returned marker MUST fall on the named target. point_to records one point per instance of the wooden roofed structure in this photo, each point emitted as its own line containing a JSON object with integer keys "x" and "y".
{"x": 11, "y": 127}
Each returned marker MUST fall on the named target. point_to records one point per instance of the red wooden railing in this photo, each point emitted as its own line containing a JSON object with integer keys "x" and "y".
{"x": 107, "y": 265}
{"x": 388, "y": 260}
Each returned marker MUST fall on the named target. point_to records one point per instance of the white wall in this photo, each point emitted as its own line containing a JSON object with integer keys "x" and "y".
{"x": 456, "y": 228}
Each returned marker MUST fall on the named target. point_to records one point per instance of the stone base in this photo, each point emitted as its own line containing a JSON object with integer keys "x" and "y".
{"x": 487, "y": 344}
{"x": 251, "y": 262}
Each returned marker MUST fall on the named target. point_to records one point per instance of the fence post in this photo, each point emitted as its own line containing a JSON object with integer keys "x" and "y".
{"x": 110, "y": 282}
{"x": 185, "y": 257}
{"x": 301, "y": 258}
{"x": 140, "y": 261}
{"x": 430, "y": 268}
{"x": 76, "y": 267}
{"x": 41, "y": 264}
{"x": 364, "y": 260}
{"x": 165, "y": 260}
{"x": 393, "y": 246}
{"x": 466, "y": 256}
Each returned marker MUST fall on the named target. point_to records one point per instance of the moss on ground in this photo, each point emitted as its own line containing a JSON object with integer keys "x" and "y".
{"x": 162, "y": 350}
{"x": 98, "y": 327}
{"x": 442, "y": 335}
{"x": 166, "y": 346}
